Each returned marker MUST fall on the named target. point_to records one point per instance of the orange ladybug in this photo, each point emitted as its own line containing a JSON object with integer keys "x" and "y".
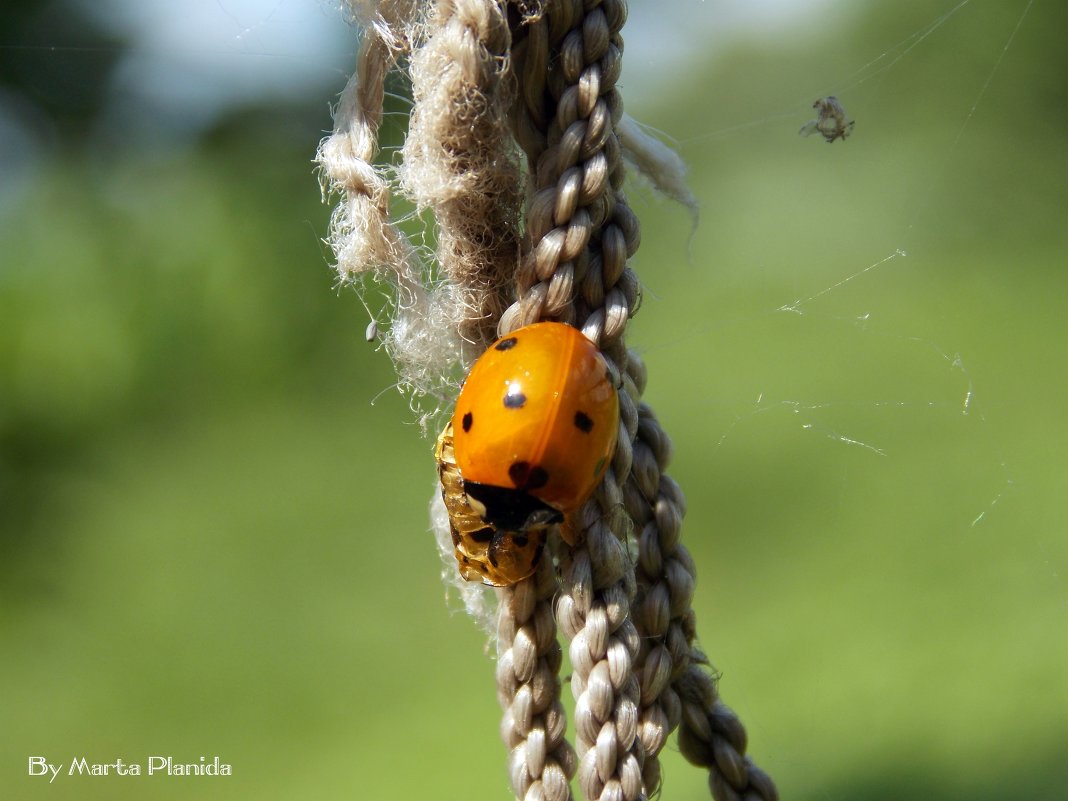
{"x": 533, "y": 431}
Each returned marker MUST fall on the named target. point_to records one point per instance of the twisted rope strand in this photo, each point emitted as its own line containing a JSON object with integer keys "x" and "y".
{"x": 458, "y": 158}
{"x": 581, "y": 234}
{"x": 712, "y": 736}
{"x": 656, "y": 506}
{"x": 361, "y": 233}
{"x": 542, "y": 762}
{"x": 676, "y": 687}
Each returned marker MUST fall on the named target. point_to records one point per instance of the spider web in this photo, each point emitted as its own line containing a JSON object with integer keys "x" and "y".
{"x": 811, "y": 303}
{"x": 834, "y": 321}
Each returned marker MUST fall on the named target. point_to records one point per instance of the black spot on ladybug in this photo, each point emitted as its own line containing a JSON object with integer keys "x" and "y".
{"x": 482, "y": 535}
{"x": 514, "y": 400}
{"x": 506, "y": 344}
{"x": 527, "y": 477}
{"x": 520, "y": 540}
{"x": 467, "y": 421}
{"x": 518, "y": 472}
{"x": 583, "y": 422}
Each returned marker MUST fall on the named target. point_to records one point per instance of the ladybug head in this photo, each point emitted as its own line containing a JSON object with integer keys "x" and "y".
{"x": 510, "y": 508}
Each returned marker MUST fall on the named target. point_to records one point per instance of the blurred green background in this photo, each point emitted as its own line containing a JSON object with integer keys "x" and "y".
{"x": 213, "y": 507}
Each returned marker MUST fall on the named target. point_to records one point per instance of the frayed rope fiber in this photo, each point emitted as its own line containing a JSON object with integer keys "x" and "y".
{"x": 516, "y": 147}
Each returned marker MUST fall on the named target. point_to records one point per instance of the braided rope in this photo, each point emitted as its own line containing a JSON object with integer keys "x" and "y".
{"x": 528, "y": 687}
{"x": 637, "y": 672}
{"x": 665, "y": 586}
{"x": 676, "y": 686}
{"x": 581, "y": 233}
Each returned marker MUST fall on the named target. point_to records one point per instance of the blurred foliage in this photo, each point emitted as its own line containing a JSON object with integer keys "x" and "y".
{"x": 213, "y": 533}
{"x": 56, "y": 60}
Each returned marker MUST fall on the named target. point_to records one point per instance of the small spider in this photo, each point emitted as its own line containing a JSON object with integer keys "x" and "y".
{"x": 831, "y": 123}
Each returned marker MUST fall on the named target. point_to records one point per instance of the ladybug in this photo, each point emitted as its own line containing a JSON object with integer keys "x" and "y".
{"x": 534, "y": 428}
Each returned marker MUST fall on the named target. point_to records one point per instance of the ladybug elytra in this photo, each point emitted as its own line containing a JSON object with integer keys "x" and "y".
{"x": 533, "y": 432}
